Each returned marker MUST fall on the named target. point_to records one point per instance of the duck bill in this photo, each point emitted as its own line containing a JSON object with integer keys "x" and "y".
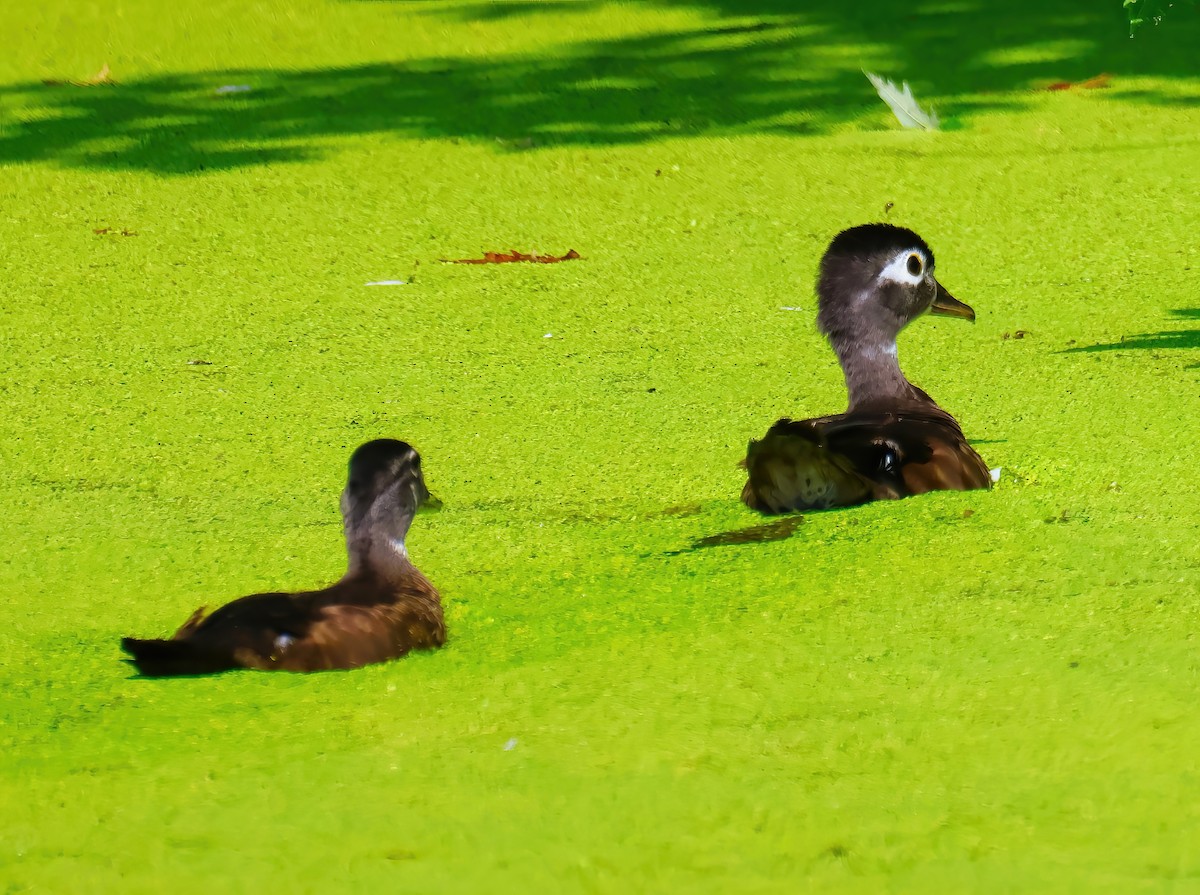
{"x": 430, "y": 505}
{"x": 946, "y": 305}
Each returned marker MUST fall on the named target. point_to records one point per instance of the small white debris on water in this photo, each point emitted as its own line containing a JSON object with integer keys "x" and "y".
{"x": 995, "y": 474}
{"x": 548, "y": 336}
{"x": 790, "y": 308}
{"x": 226, "y": 89}
{"x": 388, "y": 283}
{"x": 510, "y": 745}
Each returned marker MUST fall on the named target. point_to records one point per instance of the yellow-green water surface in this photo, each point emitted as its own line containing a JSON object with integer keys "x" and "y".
{"x": 963, "y": 692}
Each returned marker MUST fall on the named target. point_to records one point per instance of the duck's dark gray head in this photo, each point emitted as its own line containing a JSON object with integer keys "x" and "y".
{"x": 874, "y": 280}
{"x": 384, "y": 490}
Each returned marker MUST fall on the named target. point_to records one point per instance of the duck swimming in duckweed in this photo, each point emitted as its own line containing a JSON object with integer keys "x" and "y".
{"x": 893, "y": 440}
{"x": 382, "y": 608}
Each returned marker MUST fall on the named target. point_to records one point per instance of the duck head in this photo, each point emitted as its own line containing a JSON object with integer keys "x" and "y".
{"x": 875, "y": 279}
{"x": 384, "y": 490}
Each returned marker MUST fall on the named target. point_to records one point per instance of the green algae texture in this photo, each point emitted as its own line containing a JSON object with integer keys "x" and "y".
{"x": 962, "y": 692}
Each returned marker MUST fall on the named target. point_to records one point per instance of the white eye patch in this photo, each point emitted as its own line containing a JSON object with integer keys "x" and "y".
{"x": 908, "y": 268}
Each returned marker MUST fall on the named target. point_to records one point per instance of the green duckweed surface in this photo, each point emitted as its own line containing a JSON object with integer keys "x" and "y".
{"x": 988, "y": 692}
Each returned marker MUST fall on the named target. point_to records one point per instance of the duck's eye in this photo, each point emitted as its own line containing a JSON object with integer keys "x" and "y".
{"x": 915, "y": 267}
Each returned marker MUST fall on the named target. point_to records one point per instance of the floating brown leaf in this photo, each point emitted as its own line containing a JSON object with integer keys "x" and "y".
{"x": 510, "y": 257}
{"x": 1099, "y": 82}
{"x": 102, "y": 78}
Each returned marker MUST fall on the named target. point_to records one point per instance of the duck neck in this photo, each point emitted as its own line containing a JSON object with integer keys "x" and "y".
{"x": 872, "y": 372}
{"x": 379, "y": 553}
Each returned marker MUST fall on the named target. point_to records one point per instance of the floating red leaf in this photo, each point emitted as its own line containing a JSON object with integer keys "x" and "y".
{"x": 1099, "y": 82}
{"x": 510, "y": 257}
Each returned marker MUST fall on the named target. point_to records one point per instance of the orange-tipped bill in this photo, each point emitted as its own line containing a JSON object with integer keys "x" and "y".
{"x": 946, "y": 305}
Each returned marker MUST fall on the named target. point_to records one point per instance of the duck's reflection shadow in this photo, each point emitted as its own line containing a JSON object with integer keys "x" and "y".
{"x": 776, "y": 530}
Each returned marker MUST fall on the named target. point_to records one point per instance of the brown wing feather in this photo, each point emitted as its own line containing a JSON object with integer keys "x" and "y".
{"x": 952, "y": 466}
{"x": 347, "y": 635}
{"x": 352, "y": 623}
{"x": 191, "y": 624}
{"x": 853, "y": 458}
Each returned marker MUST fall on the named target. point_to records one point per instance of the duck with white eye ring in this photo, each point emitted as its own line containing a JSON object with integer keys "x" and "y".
{"x": 893, "y": 440}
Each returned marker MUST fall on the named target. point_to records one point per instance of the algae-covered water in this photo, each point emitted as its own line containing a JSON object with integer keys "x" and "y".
{"x": 988, "y": 691}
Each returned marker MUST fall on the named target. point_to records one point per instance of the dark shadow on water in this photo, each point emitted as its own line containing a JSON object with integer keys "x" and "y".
{"x": 776, "y": 530}
{"x": 1170, "y": 339}
{"x": 475, "y": 11}
{"x": 758, "y": 66}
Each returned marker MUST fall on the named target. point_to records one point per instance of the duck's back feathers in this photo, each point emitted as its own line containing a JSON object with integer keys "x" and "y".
{"x": 853, "y": 458}
{"x": 353, "y": 623}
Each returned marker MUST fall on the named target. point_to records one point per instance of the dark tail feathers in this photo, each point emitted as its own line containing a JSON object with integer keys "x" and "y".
{"x": 166, "y": 658}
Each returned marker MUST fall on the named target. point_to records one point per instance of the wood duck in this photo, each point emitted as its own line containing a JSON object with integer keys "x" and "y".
{"x": 893, "y": 440}
{"x": 380, "y": 609}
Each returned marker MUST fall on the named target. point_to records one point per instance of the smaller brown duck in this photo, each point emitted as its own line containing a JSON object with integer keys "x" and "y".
{"x": 893, "y": 440}
{"x": 382, "y": 608}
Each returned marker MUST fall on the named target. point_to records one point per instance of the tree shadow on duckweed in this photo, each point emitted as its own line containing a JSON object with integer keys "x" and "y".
{"x": 759, "y": 66}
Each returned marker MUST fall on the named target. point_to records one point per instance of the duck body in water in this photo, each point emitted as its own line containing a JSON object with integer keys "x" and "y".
{"x": 382, "y": 608}
{"x": 893, "y": 440}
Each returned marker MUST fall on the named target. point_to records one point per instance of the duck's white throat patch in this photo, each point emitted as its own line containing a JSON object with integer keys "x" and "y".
{"x": 874, "y": 352}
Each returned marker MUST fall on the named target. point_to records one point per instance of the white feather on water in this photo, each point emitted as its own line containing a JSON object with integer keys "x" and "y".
{"x": 903, "y": 104}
